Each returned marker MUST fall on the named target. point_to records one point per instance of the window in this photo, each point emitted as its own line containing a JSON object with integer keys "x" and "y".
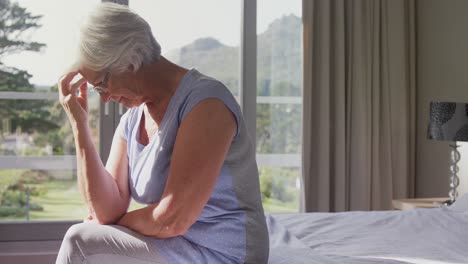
{"x": 37, "y": 161}
{"x": 279, "y": 103}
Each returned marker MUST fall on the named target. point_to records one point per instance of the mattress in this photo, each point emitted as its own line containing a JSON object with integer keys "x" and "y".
{"x": 422, "y": 236}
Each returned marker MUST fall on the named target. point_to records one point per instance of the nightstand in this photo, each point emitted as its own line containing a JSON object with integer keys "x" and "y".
{"x": 406, "y": 204}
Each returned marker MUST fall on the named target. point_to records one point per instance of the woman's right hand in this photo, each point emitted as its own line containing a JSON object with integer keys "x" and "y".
{"x": 75, "y": 105}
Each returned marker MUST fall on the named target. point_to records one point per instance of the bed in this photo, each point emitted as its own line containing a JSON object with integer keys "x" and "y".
{"x": 422, "y": 236}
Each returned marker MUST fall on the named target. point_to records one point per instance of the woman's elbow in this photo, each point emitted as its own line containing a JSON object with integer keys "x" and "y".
{"x": 107, "y": 219}
{"x": 175, "y": 227}
{"x": 171, "y": 219}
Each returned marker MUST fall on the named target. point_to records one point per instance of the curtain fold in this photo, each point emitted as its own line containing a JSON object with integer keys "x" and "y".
{"x": 359, "y": 104}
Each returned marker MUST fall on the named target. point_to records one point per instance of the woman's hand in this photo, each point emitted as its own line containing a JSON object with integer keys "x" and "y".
{"x": 75, "y": 105}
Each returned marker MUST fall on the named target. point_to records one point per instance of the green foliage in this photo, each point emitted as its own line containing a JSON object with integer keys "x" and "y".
{"x": 279, "y": 184}
{"x": 32, "y": 179}
{"x": 278, "y": 189}
{"x": 276, "y": 206}
{"x": 266, "y": 186}
{"x": 63, "y": 201}
{"x": 279, "y": 128}
{"x": 6, "y": 211}
{"x": 14, "y": 22}
{"x": 12, "y": 77}
{"x": 14, "y": 204}
{"x": 8, "y": 178}
{"x": 42, "y": 119}
{"x": 14, "y": 198}
{"x": 60, "y": 137}
{"x": 35, "y": 177}
{"x": 35, "y": 207}
{"x": 264, "y": 143}
{"x": 19, "y": 112}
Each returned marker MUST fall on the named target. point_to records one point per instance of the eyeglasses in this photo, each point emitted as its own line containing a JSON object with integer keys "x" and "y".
{"x": 101, "y": 86}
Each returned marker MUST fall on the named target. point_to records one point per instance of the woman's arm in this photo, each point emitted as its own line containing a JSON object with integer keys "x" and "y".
{"x": 202, "y": 142}
{"x": 105, "y": 190}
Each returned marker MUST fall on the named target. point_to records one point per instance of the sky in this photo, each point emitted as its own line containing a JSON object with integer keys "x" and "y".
{"x": 174, "y": 23}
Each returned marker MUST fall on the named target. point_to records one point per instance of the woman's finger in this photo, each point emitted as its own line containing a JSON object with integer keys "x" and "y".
{"x": 64, "y": 82}
{"x": 83, "y": 97}
{"x": 84, "y": 90}
{"x": 74, "y": 87}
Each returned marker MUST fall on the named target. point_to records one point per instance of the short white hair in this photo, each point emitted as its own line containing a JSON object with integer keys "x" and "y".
{"x": 114, "y": 38}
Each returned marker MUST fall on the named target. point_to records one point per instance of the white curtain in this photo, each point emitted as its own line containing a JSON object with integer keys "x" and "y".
{"x": 359, "y": 104}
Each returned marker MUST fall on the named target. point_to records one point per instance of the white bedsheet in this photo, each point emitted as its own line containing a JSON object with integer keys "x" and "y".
{"x": 422, "y": 236}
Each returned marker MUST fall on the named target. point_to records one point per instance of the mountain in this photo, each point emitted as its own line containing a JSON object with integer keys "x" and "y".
{"x": 279, "y": 59}
{"x": 210, "y": 57}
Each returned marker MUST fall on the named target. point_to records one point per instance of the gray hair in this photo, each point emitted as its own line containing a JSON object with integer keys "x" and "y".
{"x": 114, "y": 38}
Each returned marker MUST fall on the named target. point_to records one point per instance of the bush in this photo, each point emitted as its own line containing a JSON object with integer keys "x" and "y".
{"x": 14, "y": 198}
{"x": 35, "y": 207}
{"x": 12, "y": 211}
{"x": 7, "y": 178}
{"x": 278, "y": 184}
{"x": 33, "y": 190}
{"x": 266, "y": 185}
{"x": 37, "y": 190}
{"x": 35, "y": 177}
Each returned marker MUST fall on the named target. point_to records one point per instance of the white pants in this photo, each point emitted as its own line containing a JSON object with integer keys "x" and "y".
{"x": 106, "y": 244}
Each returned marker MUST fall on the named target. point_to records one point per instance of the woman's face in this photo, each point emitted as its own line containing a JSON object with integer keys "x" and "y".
{"x": 116, "y": 87}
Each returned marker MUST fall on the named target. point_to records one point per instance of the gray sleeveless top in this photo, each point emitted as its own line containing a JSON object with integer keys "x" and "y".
{"x": 232, "y": 222}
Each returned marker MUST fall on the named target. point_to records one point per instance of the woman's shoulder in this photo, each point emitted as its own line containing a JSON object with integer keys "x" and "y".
{"x": 202, "y": 87}
{"x": 200, "y": 82}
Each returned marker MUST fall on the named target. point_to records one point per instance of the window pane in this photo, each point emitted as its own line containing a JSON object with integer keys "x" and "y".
{"x": 279, "y": 189}
{"x": 37, "y": 154}
{"x": 279, "y": 102}
{"x": 200, "y": 34}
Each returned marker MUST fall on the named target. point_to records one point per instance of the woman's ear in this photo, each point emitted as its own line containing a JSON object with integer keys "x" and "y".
{"x": 130, "y": 68}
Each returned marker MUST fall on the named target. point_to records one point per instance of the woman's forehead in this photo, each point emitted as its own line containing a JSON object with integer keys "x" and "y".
{"x": 90, "y": 75}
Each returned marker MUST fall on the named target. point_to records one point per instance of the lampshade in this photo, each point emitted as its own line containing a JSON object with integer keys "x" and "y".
{"x": 448, "y": 121}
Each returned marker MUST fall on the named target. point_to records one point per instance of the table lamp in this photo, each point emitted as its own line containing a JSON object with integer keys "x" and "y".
{"x": 449, "y": 122}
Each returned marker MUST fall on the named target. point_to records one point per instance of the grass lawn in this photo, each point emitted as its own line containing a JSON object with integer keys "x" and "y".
{"x": 277, "y": 206}
{"x": 62, "y": 201}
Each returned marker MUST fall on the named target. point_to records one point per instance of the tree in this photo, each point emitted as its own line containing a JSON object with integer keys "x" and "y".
{"x": 15, "y": 22}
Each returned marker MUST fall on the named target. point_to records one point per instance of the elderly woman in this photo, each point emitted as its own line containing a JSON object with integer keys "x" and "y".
{"x": 182, "y": 149}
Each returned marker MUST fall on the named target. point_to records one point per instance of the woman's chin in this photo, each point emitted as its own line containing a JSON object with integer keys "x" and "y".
{"x": 128, "y": 103}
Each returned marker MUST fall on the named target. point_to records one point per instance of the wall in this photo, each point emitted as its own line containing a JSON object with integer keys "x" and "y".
{"x": 442, "y": 74}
